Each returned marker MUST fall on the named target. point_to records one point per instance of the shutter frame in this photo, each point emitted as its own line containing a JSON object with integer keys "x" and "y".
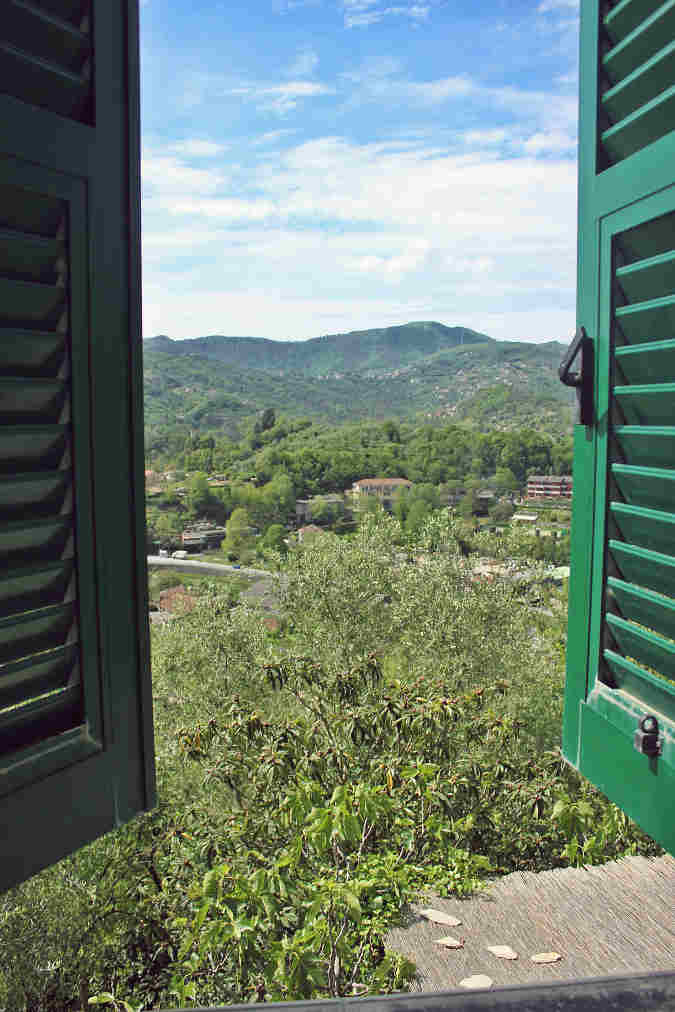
{"x": 60, "y": 793}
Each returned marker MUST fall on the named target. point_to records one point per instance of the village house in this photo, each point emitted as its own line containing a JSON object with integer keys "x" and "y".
{"x": 549, "y": 486}
{"x": 308, "y": 532}
{"x": 203, "y": 535}
{"x": 304, "y": 508}
{"x": 383, "y": 488}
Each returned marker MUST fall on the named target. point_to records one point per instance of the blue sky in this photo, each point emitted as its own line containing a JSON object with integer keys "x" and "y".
{"x": 317, "y": 166}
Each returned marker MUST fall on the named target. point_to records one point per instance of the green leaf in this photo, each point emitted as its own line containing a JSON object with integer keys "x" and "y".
{"x": 352, "y": 901}
{"x": 210, "y": 884}
{"x": 201, "y": 916}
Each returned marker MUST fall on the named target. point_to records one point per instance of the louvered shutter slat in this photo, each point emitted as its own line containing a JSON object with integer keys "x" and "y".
{"x": 46, "y": 56}
{"x": 654, "y": 446}
{"x": 53, "y": 714}
{"x": 30, "y": 353}
{"x": 32, "y": 447}
{"x": 632, "y": 678}
{"x": 74, "y": 11}
{"x": 30, "y": 678}
{"x": 26, "y": 399}
{"x": 637, "y": 77}
{"x": 50, "y": 540}
{"x": 643, "y": 645}
{"x": 28, "y": 302}
{"x": 650, "y": 80}
{"x": 655, "y": 611}
{"x": 643, "y": 567}
{"x": 627, "y": 15}
{"x": 31, "y": 495}
{"x": 647, "y": 363}
{"x": 648, "y": 486}
{"x": 35, "y": 29}
{"x": 30, "y": 587}
{"x": 31, "y": 79}
{"x": 32, "y": 632}
{"x": 35, "y": 257}
{"x": 638, "y": 525}
{"x": 645, "y": 404}
{"x": 650, "y": 320}
{"x": 647, "y": 279}
{"x": 641, "y": 43}
{"x": 640, "y": 128}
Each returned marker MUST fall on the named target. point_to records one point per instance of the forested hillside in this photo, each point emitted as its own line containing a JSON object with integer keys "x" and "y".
{"x": 417, "y": 372}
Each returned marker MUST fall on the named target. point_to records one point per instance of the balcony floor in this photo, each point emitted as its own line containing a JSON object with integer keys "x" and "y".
{"x": 617, "y": 918}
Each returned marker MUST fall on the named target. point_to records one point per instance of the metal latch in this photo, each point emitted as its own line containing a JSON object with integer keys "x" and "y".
{"x": 647, "y": 739}
{"x": 582, "y": 381}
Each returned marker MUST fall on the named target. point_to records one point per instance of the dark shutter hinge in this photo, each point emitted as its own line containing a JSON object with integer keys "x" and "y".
{"x": 582, "y": 381}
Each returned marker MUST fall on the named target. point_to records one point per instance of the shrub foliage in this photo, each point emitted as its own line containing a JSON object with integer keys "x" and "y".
{"x": 397, "y": 734}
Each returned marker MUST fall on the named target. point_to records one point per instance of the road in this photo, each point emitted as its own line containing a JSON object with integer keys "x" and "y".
{"x": 188, "y": 566}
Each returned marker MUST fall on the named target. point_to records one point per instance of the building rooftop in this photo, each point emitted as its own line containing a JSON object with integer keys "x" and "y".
{"x": 383, "y": 481}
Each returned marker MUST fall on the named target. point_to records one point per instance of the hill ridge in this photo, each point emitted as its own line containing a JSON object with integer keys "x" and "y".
{"x": 378, "y": 348}
{"x": 215, "y": 383}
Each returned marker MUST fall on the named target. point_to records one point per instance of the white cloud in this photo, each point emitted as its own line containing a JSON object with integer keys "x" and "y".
{"x": 361, "y": 13}
{"x": 484, "y": 138}
{"x": 441, "y": 89}
{"x": 475, "y": 225}
{"x": 271, "y": 136}
{"x": 167, "y": 174}
{"x": 550, "y": 111}
{"x": 195, "y": 147}
{"x": 551, "y": 141}
{"x": 336, "y": 235}
{"x": 557, "y": 5}
{"x": 280, "y": 98}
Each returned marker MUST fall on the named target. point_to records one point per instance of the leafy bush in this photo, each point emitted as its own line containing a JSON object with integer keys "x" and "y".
{"x": 399, "y": 736}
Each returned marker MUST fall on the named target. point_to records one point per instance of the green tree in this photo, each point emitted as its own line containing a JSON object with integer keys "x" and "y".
{"x": 202, "y": 501}
{"x": 238, "y": 541}
{"x": 501, "y": 512}
{"x": 468, "y": 506}
{"x": 328, "y": 514}
{"x": 418, "y": 512}
{"x": 268, "y": 419}
{"x": 505, "y": 480}
{"x": 274, "y": 538}
{"x": 168, "y": 527}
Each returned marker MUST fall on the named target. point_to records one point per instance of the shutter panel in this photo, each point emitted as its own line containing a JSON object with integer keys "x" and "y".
{"x": 76, "y": 749}
{"x": 621, "y": 644}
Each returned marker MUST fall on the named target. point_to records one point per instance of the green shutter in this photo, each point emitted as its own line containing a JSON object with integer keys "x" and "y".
{"x": 621, "y": 645}
{"x": 76, "y": 749}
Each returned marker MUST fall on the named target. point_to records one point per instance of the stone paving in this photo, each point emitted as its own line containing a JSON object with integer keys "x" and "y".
{"x": 616, "y": 918}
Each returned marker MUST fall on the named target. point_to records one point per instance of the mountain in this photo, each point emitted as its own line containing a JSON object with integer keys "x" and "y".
{"x": 381, "y": 349}
{"x": 415, "y": 371}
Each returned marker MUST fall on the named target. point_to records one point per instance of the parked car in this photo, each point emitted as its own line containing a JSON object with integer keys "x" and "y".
{"x": 179, "y": 555}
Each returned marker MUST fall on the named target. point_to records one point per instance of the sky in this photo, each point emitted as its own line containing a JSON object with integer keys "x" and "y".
{"x": 313, "y": 167}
